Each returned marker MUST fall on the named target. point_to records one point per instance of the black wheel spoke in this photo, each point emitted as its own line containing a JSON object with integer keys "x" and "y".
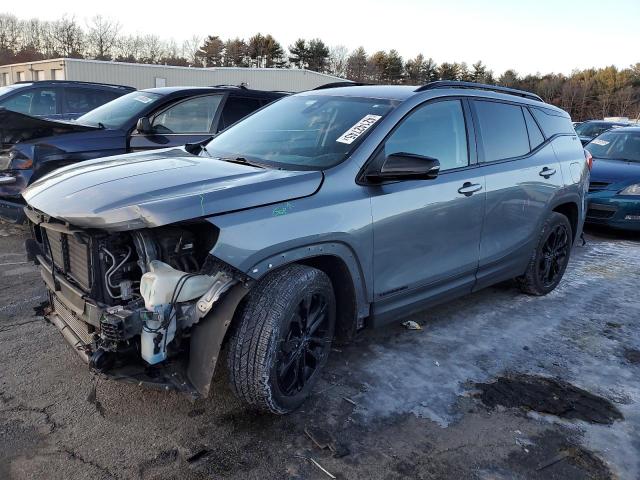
{"x": 554, "y": 253}
{"x": 317, "y": 319}
{"x": 303, "y": 346}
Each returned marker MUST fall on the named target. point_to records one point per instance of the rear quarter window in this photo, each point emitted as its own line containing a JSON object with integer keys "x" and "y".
{"x": 553, "y": 123}
{"x": 503, "y": 130}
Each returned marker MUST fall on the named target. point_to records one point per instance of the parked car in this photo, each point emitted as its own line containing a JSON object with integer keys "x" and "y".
{"x": 590, "y": 129}
{"x": 58, "y": 99}
{"x": 323, "y": 213}
{"x": 614, "y": 191}
{"x": 141, "y": 120}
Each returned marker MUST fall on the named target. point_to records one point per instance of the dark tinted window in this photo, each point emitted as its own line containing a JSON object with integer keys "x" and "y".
{"x": 435, "y": 130}
{"x": 82, "y": 100}
{"x": 503, "y": 130}
{"x": 236, "y": 108}
{"x": 552, "y": 123}
{"x": 190, "y": 116}
{"x": 35, "y": 101}
{"x": 535, "y": 135}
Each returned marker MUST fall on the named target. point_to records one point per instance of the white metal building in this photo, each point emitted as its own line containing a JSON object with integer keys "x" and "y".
{"x": 147, "y": 76}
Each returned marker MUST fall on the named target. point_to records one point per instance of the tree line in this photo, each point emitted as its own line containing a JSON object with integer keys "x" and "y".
{"x": 590, "y": 93}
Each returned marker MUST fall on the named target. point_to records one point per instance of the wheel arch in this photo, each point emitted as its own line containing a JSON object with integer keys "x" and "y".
{"x": 341, "y": 265}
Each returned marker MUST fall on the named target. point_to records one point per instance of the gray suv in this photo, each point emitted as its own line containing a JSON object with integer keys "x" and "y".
{"x": 321, "y": 214}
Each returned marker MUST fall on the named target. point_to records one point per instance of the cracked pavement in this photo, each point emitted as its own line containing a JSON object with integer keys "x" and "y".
{"x": 400, "y": 403}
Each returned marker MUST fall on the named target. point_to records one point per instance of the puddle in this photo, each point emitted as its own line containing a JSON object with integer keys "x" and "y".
{"x": 550, "y": 396}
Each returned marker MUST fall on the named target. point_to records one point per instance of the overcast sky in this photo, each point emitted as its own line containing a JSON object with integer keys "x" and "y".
{"x": 529, "y": 36}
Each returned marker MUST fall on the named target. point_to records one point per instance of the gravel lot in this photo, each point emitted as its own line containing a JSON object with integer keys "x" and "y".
{"x": 394, "y": 404}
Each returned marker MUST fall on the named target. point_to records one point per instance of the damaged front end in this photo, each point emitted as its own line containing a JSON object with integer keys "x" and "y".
{"x": 149, "y": 306}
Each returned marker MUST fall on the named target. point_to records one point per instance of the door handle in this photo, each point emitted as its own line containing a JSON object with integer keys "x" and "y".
{"x": 468, "y": 188}
{"x": 546, "y": 172}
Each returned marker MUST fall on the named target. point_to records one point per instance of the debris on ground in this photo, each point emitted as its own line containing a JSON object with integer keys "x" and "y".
{"x": 411, "y": 325}
{"x": 550, "y": 396}
{"x": 632, "y": 355}
{"x": 321, "y": 468}
{"x": 346, "y": 399}
{"x": 41, "y": 310}
{"x": 324, "y": 440}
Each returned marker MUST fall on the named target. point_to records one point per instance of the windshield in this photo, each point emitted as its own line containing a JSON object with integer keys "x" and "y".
{"x": 119, "y": 112}
{"x": 592, "y": 130}
{"x": 302, "y": 132}
{"x": 616, "y": 146}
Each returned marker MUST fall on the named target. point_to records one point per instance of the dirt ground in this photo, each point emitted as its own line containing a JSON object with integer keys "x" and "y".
{"x": 496, "y": 385}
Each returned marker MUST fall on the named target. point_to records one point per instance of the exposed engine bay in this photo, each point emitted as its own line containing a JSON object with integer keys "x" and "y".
{"x": 129, "y": 301}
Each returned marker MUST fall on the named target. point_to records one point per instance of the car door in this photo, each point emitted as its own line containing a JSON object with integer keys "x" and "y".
{"x": 184, "y": 121}
{"x": 522, "y": 177}
{"x": 427, "y": 232}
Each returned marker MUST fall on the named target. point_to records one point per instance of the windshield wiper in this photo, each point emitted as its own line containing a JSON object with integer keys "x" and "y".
{"x": 242, "y": 161}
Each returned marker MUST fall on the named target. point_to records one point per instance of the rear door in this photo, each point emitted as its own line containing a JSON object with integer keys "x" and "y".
{"x": 427, "y": 232}
{"x": 522, "y": 177}
{"x": 184, "y": 121}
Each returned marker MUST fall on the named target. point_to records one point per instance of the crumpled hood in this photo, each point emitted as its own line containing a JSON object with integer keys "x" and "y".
{"x": 139, "y": 190}
{"x": 17, "y": 127}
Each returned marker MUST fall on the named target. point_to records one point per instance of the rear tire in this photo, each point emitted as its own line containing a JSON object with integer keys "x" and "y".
{"x": 550, "y": 257}
{"x": 282, "y": 338}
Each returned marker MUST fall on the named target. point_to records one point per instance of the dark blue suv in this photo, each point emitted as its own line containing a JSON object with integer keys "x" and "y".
{"x": 59, "y": 99}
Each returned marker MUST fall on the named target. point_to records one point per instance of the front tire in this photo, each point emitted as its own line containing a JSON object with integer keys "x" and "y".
{"x": 550, "y": 258}
{"x": 282, "y": 338}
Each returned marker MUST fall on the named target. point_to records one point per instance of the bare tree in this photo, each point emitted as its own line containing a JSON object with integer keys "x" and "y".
{"x": 190, "y": 50}
{"x": 101, "y": 37}
{"x": 68, "y": 37}
{"x": 338, "y": 55}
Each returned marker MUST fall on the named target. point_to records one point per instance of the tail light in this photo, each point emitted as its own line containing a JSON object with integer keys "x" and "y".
{"x": 589, "y": 158}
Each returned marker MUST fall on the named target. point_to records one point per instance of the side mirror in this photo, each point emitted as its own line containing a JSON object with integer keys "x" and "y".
{"x": 406, "y": 166}
{"x": 143, "y": 125}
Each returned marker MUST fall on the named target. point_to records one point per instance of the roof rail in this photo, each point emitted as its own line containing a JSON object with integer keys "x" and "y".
{"x": 478, "y": 86}
{"x": 76, "y": 82}
{"x": 339, "y": 84}
{"x": 224, "y": 85}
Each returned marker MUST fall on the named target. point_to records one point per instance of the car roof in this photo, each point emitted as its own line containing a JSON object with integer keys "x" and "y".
{"x": 387, "y": 92}
{"x": 403, "y": 92}
{"x": 225, "y": 89}
{"x": 606, "y": 122}
{"x": 71, "y": 83}
{"x": 633, "y": 128}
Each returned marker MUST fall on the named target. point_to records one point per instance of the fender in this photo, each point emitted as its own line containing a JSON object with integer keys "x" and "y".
{"x": 207, "y": 338}
{"x": 335, "y": 249}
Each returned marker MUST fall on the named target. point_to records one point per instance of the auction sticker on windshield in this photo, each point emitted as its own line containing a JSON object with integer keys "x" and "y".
{"x": 358, "y": 129}
{"x": 602, "y": 143}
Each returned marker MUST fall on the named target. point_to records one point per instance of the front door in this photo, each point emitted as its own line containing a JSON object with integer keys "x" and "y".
{"x": 187, "y": 121}
{"x": 427, "y": 232}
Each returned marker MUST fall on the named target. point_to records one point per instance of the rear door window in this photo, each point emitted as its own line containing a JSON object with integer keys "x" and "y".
{"x": 535, "y": 135}
{"x": 82, "y": 100}
{"x": 236, "y": 108}
{"x": 190, "y": 116}
{"x": 502, "y": 129}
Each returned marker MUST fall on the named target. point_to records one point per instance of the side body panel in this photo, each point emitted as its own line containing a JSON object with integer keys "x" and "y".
{"x": 518, "y": 199}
